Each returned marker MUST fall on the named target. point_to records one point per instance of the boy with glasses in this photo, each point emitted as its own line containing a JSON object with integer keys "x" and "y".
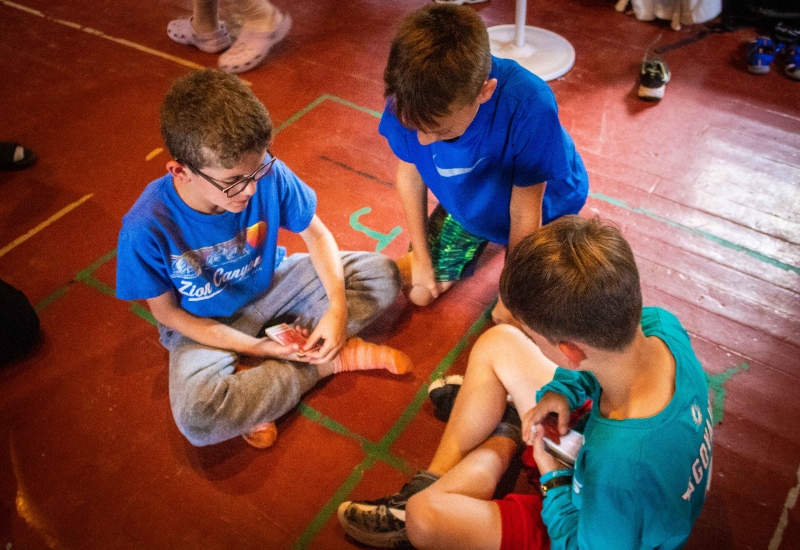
{"x": 200, "y": 246}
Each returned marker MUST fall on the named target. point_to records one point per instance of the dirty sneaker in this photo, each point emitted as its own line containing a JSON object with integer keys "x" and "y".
{"x": 382, "y": 523}
{"x": 653, "y": 79}
{"x": 442, "y": 393}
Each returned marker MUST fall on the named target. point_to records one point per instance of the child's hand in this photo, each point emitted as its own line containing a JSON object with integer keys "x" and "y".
{"x": 330, "y": 335}
{"x": 550, "y": 402}
{"x": 545, "y": 462}
{"x": 424, "y": 276}
{"x": 266, "y": 347}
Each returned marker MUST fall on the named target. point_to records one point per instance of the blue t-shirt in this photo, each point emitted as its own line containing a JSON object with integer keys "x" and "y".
{"x": 638, "y": 483}
{"x": 215, "y": 263}
{"x": 515, "y": 139}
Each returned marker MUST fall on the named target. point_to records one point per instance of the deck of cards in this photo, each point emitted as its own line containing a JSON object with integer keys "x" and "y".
{"x": 287, "y": 335}
{"x": 564, "y": 448}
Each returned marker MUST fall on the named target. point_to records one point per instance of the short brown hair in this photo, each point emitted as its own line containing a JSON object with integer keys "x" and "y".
{"x": 210, "y": 117}
{"x": 439, "y": 59}
{"x": 575, "y": 279}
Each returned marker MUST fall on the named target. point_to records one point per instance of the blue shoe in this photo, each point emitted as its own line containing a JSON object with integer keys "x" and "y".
{"x": 792, "y": 66}
{"x": 760, "y": 54}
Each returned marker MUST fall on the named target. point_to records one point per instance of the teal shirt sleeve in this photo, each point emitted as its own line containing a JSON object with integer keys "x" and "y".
{"x": 561, "y": 517}
{"x": 576, "y": 386}
{"x": 608, "y": 518}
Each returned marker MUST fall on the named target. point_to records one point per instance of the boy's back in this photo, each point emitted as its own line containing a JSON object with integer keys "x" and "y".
{"x": 650, "y": 474}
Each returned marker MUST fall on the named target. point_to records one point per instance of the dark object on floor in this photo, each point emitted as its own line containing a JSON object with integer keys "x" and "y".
{"x": 7, "y": 151}
{"x": 762, "y": 14}
{"x": 19, "y": 324}
{"x": 653, "y": 79}
{"x": 792, "y": 67}
{"x": 786, "y": 33}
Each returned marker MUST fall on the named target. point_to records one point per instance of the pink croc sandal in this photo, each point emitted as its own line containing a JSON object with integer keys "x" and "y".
{"x": 252, "y": 47}
{"x": 182, "y": 32}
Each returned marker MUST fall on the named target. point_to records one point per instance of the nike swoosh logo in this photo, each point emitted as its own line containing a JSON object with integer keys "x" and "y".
{"x": 450, "y": 172}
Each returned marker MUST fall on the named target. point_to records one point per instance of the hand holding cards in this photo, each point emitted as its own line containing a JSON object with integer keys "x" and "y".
{"x": 564, "y": 448}
{"x": 287, "y": 336}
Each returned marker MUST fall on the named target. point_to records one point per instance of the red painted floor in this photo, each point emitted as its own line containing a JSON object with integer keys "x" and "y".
{"x": 705, "y": 185}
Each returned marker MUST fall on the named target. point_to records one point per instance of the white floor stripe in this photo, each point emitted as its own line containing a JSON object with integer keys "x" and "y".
{"x": 791, "y": 500}
{"x": 66, "y": 210}
{"x": 101, "y": 34}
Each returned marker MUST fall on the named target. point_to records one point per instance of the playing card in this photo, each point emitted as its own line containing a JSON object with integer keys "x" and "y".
{"x": 287, "y": 335}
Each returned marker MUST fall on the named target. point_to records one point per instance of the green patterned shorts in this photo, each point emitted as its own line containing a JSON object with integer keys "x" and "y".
{"x": 454, "y": 250}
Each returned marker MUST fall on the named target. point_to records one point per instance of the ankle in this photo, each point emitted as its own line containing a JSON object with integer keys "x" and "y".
{"x": 203, "y": 27}
{"x": 261, "y": 20}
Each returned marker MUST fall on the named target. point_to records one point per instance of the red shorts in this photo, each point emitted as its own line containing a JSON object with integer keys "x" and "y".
{"x": 522, "y": 525}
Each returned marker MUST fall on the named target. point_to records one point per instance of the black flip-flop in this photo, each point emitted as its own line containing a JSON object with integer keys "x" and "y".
{"x": 7, "y": 162}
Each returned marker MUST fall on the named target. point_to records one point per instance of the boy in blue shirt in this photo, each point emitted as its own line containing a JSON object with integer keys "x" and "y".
{"x": 200, "y": 246}
{"x": 481, "y": 133}
{"x": 640, "y": 478}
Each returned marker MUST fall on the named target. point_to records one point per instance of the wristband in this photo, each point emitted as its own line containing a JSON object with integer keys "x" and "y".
{"x": 557, "y": 481}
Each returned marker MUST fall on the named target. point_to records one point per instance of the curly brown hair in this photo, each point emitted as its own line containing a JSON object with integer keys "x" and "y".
{"x": 211, "y": 118}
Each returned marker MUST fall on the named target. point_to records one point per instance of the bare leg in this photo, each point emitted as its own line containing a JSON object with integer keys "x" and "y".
{"x": 257, "y": 15}
{"x": 469, "y": 458}
{"x": 503, "y": 361}
{"x": 457, "y": 511}
{"x": 205, "y": 18}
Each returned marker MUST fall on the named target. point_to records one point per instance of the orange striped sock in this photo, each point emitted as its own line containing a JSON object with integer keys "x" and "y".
{"x": 262, "y": 436}
{"x": 360, "y": 355}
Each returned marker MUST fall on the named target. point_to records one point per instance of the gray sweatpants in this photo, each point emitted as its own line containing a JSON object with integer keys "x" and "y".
{"x": 212, "y": 401}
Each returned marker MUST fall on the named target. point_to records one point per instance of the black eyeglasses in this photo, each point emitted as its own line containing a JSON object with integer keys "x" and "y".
{"x": 233, "y": 189}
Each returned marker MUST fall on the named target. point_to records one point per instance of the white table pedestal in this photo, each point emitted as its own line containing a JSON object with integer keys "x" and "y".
{"x": 544, "y": 53}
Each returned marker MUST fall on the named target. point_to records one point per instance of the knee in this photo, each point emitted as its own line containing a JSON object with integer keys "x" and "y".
{"x": 195, "y": 425}
{"x": 421, "y": 522}
{"x": 420, "y": 296}
{"x": 391, "y": 275}
{"x": 200, "y": 415}
{"x": 379, "y": 275}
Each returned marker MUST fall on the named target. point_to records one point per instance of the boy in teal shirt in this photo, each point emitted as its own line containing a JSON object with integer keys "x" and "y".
{"x": 641, "y": 476}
